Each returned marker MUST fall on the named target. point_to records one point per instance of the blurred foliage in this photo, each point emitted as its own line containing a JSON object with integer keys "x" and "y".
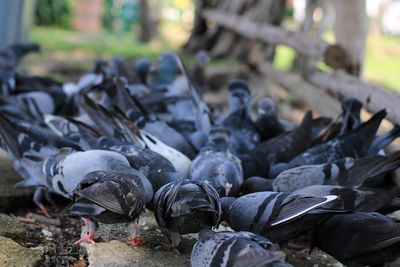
{"x": 53, "y": 13}
{"x": 289, "y": 11}
{"x": 108, "y": 15}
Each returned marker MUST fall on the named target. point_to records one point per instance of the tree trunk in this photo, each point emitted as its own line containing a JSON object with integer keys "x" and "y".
{"x": 145, "y": 22}
{"x": 351, "y": 25}
{"x": 301, "y": 63}
{"x": 199, "y": 23}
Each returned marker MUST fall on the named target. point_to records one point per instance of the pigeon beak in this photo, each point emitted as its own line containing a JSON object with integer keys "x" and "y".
{"x": 228, "y": 187}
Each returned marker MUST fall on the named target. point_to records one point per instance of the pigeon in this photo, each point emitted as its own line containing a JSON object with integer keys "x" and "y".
{"x": 116, "y": 125}
{"x": 198, "y": 72}
{"x": 158, "y": 170}
{"x": 353, "y": 144}
{"x": 383, "y": 140}
{"x": 11, "y": 56}
{"x": 186, "y": 206}
{"x": 58, "y": 98}
{"x": 142, "y": 67}
{"x": 318, "y": 126}
{"x": 235, "y": 249}
{"x": 303, "y": 176}
{"x": 256, "y": 184}
{"x": 244, "y": 134}
{"x": 364, "y": 172}
{"x": 151, "y": 124}
{"x": 108, "y": 197}
{"x": 284, "y": 147}
{"x": 62, "y": 172}
{"x": 167, "y": 73}
{"x": 360, "y": 239}
{"x": 351, "y": 108}
{"x": 278, "y": 216}
{"x": 42, "y": 134}
{"x": 350, "y": 116}
{"x": 217, "y": 165}
{"x": 370, "y": 171}
{"x": 203, "y": 117}
{"x": 267, "y": 121}
{"x": 239, "y": 97}
{"x": 352, "y": 199}
{"x": 281, "y": 148}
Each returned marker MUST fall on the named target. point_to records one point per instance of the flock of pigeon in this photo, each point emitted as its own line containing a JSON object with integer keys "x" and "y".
{"x": 129, "y": 137}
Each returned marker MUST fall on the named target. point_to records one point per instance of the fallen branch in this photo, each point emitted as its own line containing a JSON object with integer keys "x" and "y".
{"x": 373, "y": 97}
{"x": 305, "y": 44}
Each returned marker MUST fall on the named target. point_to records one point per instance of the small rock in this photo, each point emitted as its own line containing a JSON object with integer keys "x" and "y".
{"x": 11, "y": 228}
{"x": 47, "y": 233}
{"x": 11, "y": 198}
{"x": 116, "y": 253}
{"x": 12, "y": 254}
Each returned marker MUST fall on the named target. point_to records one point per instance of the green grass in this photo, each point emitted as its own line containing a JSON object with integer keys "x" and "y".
{"x": 382, "y": 61}
{"x": 104, "y": 44}
{"x": 283, "y": 58}
{"x": 56, "y": 41}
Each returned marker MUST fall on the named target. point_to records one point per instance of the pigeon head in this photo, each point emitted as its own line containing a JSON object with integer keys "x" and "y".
{"x": 219, "y": 134}
{"x": 142, "y": 67}
{"x": 226, "y": 181}
{"x": 226, "y": 205}
{"x": 266, "y": 107}
{"x": 351, "y": 109}
{"x": 352, "y": 104}
{"x": 167, "y": 70}
{"x": 168, "y": 59}
{"x": 239, "y": 96}
{"x": 100, "y": 67}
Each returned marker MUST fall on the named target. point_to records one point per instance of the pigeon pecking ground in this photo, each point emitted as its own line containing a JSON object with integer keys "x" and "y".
{"x": 132, "y": 167}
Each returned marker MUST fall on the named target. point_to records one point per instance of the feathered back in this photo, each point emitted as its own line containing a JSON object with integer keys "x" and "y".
{"x": 166, "y": 196}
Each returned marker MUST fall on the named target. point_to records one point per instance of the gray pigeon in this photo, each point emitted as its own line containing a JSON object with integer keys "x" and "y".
{"x": 11, "y": 56}
{"x": 58, "y": 170}
{"x": 352, "y": 144}
{"x": 345, "y": 172}
{"x": 303, "y": 176}
{"x": 278, "y": 216}
{"x": 360, "y": 239}
{"x": 217, "y": 165}
{"x": 108, "y": 197}
{"x": 267, "y": 121}
{"x": 244, "y": 133}
{"x": 235, "y": 249}
{"x": 61, "y": 173}
{"x": 184, "y": 207}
